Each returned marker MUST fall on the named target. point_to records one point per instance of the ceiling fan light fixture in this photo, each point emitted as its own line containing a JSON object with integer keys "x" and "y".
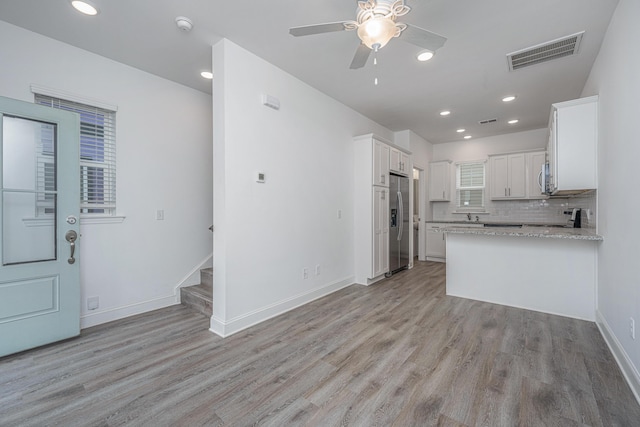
{"x": 377, "y": 30}
{"x": 425, "y": 55}
{"x": 85, "y": 7}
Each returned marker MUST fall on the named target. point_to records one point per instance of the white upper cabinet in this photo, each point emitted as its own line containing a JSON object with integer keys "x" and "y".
{"x": 535, "y": 160}
{"x": 508, "y": 176}
{"x": 380, "y": 163}
{"x": 572, "y": 150}
{"x": 439, "y": 181}
{"x": 399, "y": 162}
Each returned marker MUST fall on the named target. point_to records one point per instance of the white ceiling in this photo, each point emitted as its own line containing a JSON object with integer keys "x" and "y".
{"x": 468, "y": 75}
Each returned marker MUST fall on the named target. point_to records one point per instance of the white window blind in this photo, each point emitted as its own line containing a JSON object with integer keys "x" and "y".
{"x": 97, "y": 154}
{"x": 470, "y": 181}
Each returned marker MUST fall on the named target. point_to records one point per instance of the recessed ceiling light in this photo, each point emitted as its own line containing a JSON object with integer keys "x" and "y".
{"x": 460, "y": 130}
{"x": 425, "y": 55}
{"x": 84, "y": 7}
{"x": 445, "y": 113}
{"x": 467, "y": 137}
{"x": 207, "y": 74}
{"x": 513, "y": 122}
{"x": 508, "y": 98}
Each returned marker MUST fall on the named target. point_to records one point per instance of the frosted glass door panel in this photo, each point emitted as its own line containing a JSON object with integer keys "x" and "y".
{"x": 28, "y": 190}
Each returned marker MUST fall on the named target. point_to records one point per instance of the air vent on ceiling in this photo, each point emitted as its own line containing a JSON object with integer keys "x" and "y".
{"x": 559, "y": 48}
{"x": 485, "y": 122}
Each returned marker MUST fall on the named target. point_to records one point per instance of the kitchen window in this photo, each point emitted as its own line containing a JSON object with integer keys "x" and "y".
{"x": 97, "y": 157}
{"x": 470, "y": 183}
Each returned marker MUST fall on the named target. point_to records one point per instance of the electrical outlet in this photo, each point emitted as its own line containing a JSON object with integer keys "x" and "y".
{"x": 632, "y": 328}
{"x": 318, "y": 270}
{"x": 305, "y": 273}
{"x": 93, "y": 303}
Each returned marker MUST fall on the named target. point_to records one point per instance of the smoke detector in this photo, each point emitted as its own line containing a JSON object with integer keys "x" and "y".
{"x": 184, "y": 24}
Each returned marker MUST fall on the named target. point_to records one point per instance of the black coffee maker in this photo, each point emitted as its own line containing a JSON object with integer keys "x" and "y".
{"x": 576, "y": 217}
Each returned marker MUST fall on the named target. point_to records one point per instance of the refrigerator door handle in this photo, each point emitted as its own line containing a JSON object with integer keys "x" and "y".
{"x": 401, "y": 227}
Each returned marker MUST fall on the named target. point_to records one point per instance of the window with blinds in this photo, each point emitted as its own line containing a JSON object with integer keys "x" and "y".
{"x": 470, "y": 181}
{"x": 97, "y": 156}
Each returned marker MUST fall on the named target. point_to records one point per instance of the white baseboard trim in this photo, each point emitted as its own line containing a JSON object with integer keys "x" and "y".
{"x": 193, "y": 277}
{"x": 239, "y": 323}
{"x": 629, "y": 371}
{"x": 104, "y": 316}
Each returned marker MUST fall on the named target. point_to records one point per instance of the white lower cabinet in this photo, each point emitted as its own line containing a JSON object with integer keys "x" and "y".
{"x": 380, "y": 261}
{"x": 436, "y": 243}
{"x": 437, "y": 240}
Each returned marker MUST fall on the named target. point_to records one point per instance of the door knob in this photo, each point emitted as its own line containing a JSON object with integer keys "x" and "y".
{"x": 71, "y": 236}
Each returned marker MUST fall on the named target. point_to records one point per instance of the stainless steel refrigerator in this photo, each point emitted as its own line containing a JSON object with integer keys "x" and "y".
{"x": 400, "y": 226}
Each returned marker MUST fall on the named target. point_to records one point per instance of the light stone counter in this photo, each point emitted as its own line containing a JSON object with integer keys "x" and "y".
{"x": 525, "y": 231}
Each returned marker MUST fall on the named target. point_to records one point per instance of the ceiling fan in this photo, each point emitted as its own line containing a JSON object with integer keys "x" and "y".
{"x": 376, "y": 24}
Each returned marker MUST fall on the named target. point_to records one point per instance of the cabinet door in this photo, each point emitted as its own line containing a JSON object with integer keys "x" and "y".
{"x": 380, "y": 262}
{"x": 517, "y": 176}
{"x": 405, "y": 164}
{"x": 499, "y": 167}
{"x": 508, "y": 176}
{"x": 552, "y": 151}
{"x": 394, "y": 160}
{"x": 436, "y": 242}
{"x": 534, "y": 178}
{"x": 439, "y": 181}
{"x": 380, "y": 164}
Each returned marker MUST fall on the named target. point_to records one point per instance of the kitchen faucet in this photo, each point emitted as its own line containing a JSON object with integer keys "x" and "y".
{"x": 469, "y": 216}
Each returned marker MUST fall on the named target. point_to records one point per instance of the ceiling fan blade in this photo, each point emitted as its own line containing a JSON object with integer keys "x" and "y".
{"x": 317, "y": 29}
{"x": 361, "y": 56}
{"x": 422, "y": 38}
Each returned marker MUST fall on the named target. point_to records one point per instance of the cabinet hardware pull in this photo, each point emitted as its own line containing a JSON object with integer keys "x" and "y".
{"x": 505, "y": 192}
{"x": 443, "y": 195}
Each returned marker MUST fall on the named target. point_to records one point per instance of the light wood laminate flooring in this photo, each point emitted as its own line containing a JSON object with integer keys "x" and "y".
{"x": 399, "y": 353}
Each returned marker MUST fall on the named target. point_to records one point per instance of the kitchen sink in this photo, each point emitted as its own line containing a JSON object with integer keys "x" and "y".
{"x": 496, "y": 224}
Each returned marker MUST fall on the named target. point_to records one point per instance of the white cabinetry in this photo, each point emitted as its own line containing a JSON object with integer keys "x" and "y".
{"x": 508, "y": 176}
{"x": 439, "y": 181}
{"x": 380, "y": 163}
{"x": 380, "y": 231}
{"x": 371, "y": 208}
{"x": 436, "y": 244}
{"x": 437, "y": 240}
{"x": 535, "y": 160}
{"x": 572, "y": 149}
{"x": 399, "y": 162}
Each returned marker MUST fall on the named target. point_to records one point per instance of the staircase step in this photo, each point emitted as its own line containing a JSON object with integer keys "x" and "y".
{"x": 199, "y": 297}
{"x": 206, "y": 277}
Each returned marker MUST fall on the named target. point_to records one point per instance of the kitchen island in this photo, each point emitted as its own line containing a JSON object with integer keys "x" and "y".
{"x": 547, "y": 269}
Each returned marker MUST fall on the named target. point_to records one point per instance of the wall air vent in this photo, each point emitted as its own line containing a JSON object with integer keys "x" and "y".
{"x": 559, "y": 48}
{"x": 486, "y": 122}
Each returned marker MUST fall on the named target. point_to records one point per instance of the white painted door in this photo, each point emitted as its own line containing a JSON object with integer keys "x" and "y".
{"x": 39, "y": 211}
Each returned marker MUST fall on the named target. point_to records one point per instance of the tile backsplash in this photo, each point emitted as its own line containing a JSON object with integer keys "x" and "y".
{"x": 547, "y": 211}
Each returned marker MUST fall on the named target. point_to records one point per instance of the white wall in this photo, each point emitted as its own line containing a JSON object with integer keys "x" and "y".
{"x": 476, "y": 149}
{"x": 267, "y": 233}
{"x": 614, "y": 78}
{"x": 163, "y": 162}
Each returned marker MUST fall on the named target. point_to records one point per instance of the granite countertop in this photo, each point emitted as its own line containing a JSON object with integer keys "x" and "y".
{"x": 527, "y": 230}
